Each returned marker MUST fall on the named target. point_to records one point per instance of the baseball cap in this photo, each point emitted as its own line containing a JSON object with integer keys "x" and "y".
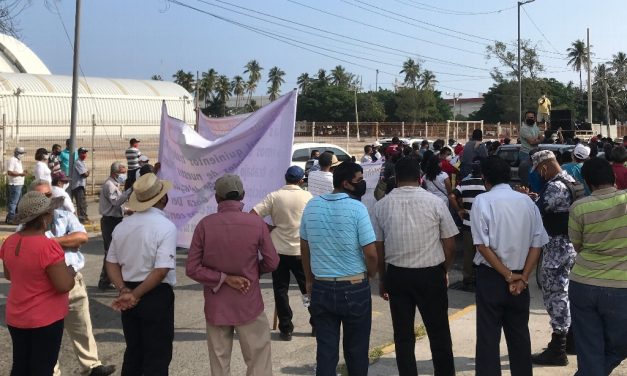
{"x": 134, "y": 141}
{"x": 143, "y": 158}
{"x": 581, "y": 152}
{"x": 294, "y": 174}
{"x": 228, "y": 183}
{"x": 541, "y": 156}
{"x": 19, "y": 150}
{"x": 82, "y": 150}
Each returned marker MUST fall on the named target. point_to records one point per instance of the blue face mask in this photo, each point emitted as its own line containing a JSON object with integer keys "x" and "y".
{"x": 121, "y": 178}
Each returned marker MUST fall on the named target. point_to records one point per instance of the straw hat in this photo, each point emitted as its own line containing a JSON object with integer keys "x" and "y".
{"x": 33, "y": 204}
{"x": 147, "y": 191}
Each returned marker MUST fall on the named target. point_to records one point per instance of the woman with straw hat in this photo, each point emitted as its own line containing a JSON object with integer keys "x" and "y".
{"x": 40, "y": 282}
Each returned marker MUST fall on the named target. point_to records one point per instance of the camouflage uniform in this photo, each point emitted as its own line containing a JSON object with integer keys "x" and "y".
{"x": 559, "y": 255}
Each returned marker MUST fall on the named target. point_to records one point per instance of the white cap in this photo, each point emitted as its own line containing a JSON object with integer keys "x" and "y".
{"x": 143, "y": 158}
{"x": 376, "y": 143}
{"x": 581, "y": 152}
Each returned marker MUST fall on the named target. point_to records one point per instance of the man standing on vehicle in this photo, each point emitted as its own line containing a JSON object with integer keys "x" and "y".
{"x": 554, "y": 202}
{"x": 530, "y": 137}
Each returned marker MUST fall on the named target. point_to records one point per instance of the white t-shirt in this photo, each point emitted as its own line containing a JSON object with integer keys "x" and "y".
{"x": 320, "y": 182}
{"x": 42, "y": 171}
{"x": 67, "y": 201}
{"x": 437, "y": 186}
{"x": 15, "y": 165}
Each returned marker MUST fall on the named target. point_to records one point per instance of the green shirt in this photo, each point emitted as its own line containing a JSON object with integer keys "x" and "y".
{"x": 525, "y": 133}
{"x": 598, "y": 224}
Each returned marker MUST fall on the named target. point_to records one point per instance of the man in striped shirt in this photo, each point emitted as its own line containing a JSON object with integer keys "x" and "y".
{"x": 321, "y": 181}
{"x": 597, "y": 228}
{"x": 461, "y": 200}
{"x": 132, "y": 161}
{"x": 418, "y": 251}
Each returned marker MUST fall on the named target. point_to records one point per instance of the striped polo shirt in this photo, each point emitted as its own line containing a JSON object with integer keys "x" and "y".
{"x": 336, "y": 228}
{"x": 132, "y": 158}
{"x": 468, "y": 189}
{"x": 598, "y": 223}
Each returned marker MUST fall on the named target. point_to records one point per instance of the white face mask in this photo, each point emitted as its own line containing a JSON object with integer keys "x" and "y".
{"x": 19, "y": 156}
{"x": 65, "y": 186}
{"x": 121, "y": 178}
{"x": 46, "y": 156}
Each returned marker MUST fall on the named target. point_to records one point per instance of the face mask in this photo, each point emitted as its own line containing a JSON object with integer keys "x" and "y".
{"x": 46, "y": 156}
{"x": 360, "y": 189}
{"x": 65, "y": 186}
{"x": 121, "y": 178}
{"x": 19, "y": 156}
{"x": 530, "y": 122}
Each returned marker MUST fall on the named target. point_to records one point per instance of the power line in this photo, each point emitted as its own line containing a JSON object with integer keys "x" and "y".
{"x": 431, "y": 8}
{"x": 540, "y": 31}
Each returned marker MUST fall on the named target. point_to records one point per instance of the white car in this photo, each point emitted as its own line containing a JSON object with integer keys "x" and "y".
{"x": 301, "y": 153}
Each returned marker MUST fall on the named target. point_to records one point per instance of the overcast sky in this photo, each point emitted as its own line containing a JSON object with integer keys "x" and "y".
{"x": 139, "y": 38}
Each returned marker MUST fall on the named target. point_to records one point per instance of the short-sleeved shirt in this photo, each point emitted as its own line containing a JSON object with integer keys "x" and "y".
{"x": 336, "y": 228}
{"x": 509, "y": 223}
{"x": 620, "y": 173}
{"x": 438, "y": 187}
{"x": 285, "y": 207}
{"x": 526, "y": 132}
{"x": 111, "y": 199}
{"x": 64, "y": 159}
{"x": 412, "y": 241}
{"x": 42, "y": 171}
{"x": 54, "y": 163}
{"x": 574, "y": 169}
{"x": 320, "y": 182}
{"x": 33, "y": 301}
{"x": 132, "y": 158}
{"x": 468, "y": 189}
{"x": 142, "y": 242}
{"x": 598, "y": 224}
{"x": 15, "y": 165}
{"x": 79, "y": 169}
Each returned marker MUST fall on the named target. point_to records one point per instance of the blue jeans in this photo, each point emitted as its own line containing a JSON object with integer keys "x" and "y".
{"x": 599, "y": 315}
{"x": 350, "y": 305}
{"x": 15, "y": 192}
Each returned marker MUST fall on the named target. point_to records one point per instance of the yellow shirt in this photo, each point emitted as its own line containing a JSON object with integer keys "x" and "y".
{"x": 544, "y": 106}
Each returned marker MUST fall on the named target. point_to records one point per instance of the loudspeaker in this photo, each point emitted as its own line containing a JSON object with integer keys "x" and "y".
{"x": 562, "y": 119}
{"x": 585, "y": 126}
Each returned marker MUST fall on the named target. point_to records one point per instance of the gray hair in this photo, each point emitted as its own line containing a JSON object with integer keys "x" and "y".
{"x": 37, "y": 182}
{"x": 116, "y": 166}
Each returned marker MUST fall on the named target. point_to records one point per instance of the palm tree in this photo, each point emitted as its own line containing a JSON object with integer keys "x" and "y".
{"x": 254, "y": 75}
{"x": 619, "y": 66}
{"x": 207, "y": 84}
{"x": 321, "y": 77}
{"x": 411, "y": 69}
{"x": 428, "y": 80}
{"x": 304, "y": 82}
{"x": 185, "y": 79}
{"x": 340, "y": 77}
{"x": 239, "y": 88}
{"x": 156, "y": 77}
{"x": 578, "y": 54}
{"x": 275, "y": 79}
{"x": 223, "y": 91}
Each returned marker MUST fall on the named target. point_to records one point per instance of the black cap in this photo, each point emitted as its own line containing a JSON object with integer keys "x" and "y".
{"x": 134, "y": 141}
{"x": 82, "y": 150}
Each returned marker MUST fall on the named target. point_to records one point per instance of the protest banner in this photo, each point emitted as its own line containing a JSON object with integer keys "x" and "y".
{"x": 257, "y": 148}
{"x": 214, "y": 128}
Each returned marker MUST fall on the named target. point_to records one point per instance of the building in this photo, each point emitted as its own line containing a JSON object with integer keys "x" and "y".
{"x": 464, "y": 106}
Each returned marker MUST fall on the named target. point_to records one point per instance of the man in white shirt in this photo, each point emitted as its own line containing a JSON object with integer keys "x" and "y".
{"x": 507, "y": 229}
{"x": 16, "y": 174}
{"x": 141, "y": 264}
{"x": 285, "y": 207}
{"x": 79, "y": 183}
{"x": 42, "y": 171}
{"x": 321, "y": 181}
{"x": 59, "y": 189}
{"x": 418, "y": 251}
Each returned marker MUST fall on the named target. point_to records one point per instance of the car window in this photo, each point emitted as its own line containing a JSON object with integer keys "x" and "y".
{"x": 300, "y": 155}
{"x": 341, "y": 156}
{"x": 510, "y": 156}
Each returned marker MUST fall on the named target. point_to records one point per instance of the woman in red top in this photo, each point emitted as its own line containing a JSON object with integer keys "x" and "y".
{"x": 619, "y": 157}
{"x": 38, "y": 294}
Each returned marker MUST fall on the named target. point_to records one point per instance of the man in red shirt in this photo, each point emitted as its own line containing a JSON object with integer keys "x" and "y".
{"x": 619, "y": 157}
{"x": 446, "y": 155}
{"x": 229, "y": 251}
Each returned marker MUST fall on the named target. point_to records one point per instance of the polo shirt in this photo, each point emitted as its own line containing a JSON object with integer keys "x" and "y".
{"x": 79, "y": 169}
{"x": 525, "y": 133}
{"x": 132, "y": 158}
{"x": 509, "y": 223}
{"x": 598, "y": 223}
{"x": 320, "y": 182}
{"x": 336, "y": 227}
{"x": 413, "y": 241}
{"x": 142, "y": 242}
{"x": 468, "y": 189}
{"x": 285, "y": 207}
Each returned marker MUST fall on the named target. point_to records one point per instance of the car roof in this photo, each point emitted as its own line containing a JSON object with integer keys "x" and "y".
{"x": 313, "y": 145}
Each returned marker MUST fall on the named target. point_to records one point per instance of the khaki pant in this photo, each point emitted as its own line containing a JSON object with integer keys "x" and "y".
{"x": 254, "y": 339}
{"x": 78, "y": 327}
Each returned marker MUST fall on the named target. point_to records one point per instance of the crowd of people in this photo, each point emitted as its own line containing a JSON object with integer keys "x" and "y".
{"x": 571, "y": 214}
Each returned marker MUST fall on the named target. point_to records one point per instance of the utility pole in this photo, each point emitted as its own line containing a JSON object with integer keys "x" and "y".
{"x": 376, "y": 85}
{"x": 197, "y": 104}
{"x": 607, "y": 105}
{"x": 75, "y": 67}
{"x": 589, "y": 80}
{"x": 520, "y": 3}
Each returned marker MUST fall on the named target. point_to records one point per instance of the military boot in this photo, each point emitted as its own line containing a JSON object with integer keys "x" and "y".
{"x": 554, "y": 354}
{"x": 571, "y": 349}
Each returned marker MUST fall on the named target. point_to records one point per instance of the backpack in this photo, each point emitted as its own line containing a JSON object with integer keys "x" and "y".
{"x": 577, "y": 190}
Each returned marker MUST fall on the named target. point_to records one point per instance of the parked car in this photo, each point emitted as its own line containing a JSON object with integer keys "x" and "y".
{"x": 509, "y": 153}
{"x": 301, "y": 153}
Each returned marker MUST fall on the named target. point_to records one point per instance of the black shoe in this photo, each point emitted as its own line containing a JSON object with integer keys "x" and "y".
{"x": 104, "y": 287}
{"x": 285, "y": 336}
{"x": 102, "y": 370}
{"x": 554, "y": 354}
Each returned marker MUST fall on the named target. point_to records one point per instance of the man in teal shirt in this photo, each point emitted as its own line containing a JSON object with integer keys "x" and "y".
{"x": 64, "y": 158}
{"x": 581, "y": 154}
